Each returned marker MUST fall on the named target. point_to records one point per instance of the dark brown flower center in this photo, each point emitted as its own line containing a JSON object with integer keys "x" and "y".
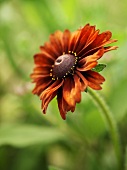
{"x": 64, "y": 65}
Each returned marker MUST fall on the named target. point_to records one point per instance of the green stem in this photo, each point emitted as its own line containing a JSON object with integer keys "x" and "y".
{"x": 111, "y": 123}
{"x": 12, "y": 62}
{"x": 9, "y": 55}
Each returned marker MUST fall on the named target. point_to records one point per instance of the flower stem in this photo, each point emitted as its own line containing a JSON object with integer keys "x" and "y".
{"x": 111, "y": 124}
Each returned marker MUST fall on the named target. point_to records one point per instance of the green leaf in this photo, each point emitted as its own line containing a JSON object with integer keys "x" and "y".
{"x": 126, "y": 158}
{"x": 99, "y": 67}
{"x": 27, "y": 135}
{"x": 53, "y": 168}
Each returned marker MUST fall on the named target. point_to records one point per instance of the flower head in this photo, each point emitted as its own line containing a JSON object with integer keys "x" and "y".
{"x": 64, "y": 66}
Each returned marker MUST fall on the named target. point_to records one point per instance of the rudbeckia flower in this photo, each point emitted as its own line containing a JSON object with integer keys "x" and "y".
{"x": 64, "y": 67}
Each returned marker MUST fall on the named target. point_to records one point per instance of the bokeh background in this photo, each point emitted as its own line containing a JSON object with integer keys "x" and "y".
{"x": 30, "y": 140}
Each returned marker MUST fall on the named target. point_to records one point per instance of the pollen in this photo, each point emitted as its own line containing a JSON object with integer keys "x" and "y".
{"x": 50, "y": 74}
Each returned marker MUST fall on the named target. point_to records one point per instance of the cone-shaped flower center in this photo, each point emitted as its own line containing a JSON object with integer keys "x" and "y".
{"x": 64, "y": 65}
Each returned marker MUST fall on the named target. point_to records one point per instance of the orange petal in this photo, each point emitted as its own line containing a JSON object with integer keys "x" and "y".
{"x": 77, "y": 90}
{"x": 109, "y": 48}
{"x": 56, "y": 42}
{"x": 88, "y": 66}
{"x": 81, "y": 32}
{"x": 92, "y": 58}
{"x": 73, "y": 40}
{"x": 36, "y": 77}
{"x": 40, "y": 72}
{"x": 94, "y": 79}
{"x": 64, "y": 107}
{"x": 67, "y": 88}
{"x": 88, "y": 36}
{"x": 94, "y": 85}
{"x": 41, "y": 69}
{"x": 62, "y": 104}
{"x": 41, "y": 85}
{"x": 72, "y": 91}
{"x": 91, "y": 50}
{"x": 48, "y": 94}
{"x": 43, "y": 58}
{"x": 100, "y": 40}
{"x": 46, "y": 102}
{"x": 66, "y": 39}
{"x": 83, "y": 81}
{"x": 95, "y": 75}
{"x": 51, "y": 50}
{"x": 90, "y": 62}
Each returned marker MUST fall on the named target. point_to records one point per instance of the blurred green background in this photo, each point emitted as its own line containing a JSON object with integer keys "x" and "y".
{"x": 30, "y": 140}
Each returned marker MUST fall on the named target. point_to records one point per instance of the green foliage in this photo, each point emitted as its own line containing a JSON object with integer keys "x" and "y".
{"x": 99, "y": 67}
{"x": 22, "y": 135}
{"x": 53, "y": 168}
{"x": 30, "y": 140}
